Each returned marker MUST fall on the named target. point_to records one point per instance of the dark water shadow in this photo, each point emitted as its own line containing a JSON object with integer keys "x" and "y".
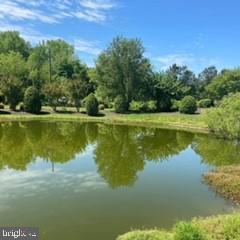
{"x": 5, "y": 112}
{"x": 65, "y": 111}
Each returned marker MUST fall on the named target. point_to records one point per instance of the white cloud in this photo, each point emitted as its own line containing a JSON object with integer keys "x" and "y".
{"x": 180, "y": 59}
{"x": 22, "y": 184}
{"x": 53, "y": 11}
{"x": 14, "y": 11}
{"x": 89, "y": 47}
{"x": 27, "y": 33}
{"x": 98, "y": 4}
{"x": 196, "y": 63}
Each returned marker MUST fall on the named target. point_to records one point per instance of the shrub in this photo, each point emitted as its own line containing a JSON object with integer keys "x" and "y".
{"x": 151, "y": 106}
{"x": 91, "y": 105}
{"x": 147, "y": 235}
{"x": 21, "y": 107}
{"x": 111, "y": 105}
{"x": 137, "y": 106}
{"x": 101, "y": 107}
{"x": 32, "y": 100}
{"x": 1, "y": 106}
{"x": 175, "y": 105}
{"x": 232, "y": 229}
{"x": 205, "y": 103}
{"x": 188, "y": 105}
{"x": 120, "y": 104}
{"x": 224, "y": 120}
{"x": 188, "y": 231}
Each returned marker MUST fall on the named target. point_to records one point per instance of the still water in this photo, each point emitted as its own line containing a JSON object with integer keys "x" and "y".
{"x": 88, "y": 181}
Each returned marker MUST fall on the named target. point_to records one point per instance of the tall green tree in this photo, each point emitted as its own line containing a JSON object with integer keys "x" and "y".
{"x": 79, "y": 85}
{"x": 38, "y": 66}
{"x": 10, "y": 41}
{"x": 185, "y": 76}
{"x": 12, "y": 74}
{"x": 166, "y": 89}
{"x": 205, "y": 78}
{"x": 53, "y": 92}
{"x": 122, "y": 69}
{"x": 224, "y": 84}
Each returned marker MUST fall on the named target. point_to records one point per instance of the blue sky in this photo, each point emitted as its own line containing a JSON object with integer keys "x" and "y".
{"x": 195, "y": 33}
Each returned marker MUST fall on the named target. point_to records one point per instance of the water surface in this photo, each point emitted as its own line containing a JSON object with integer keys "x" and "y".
{"x": 93, "y": 181}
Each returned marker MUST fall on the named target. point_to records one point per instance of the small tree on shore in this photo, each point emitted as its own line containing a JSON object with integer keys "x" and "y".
{"x": 32, "y": 100}
{"x": 92, "y": 105}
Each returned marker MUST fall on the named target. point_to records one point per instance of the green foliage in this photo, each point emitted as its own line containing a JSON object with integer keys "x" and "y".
{"x": 224, "y": 84}
{"x": 53, "y": 92}
{"x": 205, "y": 78}
{"x": 188, "y": 231}
{"x": 151, "y": 106}
{"x": 175, "y": 105}
{"x": 186, "y": 77}
{"x": 101, "y": 107}
{"x": 10, "y": 41}
{"x": 13, "y": 92}
{"x": 123, "y": 70}
{"x": 120, "y": 104}
{"x": 224, "y": 120}
{"x": 1, "y": 106}
{"x": 21, "y": 106}
{"x": 92, "y": 105}
{"x": 232, "y": 229}
{"x": 12, "y": 74}
{"x": 79, "y": 86}
{"x": 188, "y": 105}
{"x": 137, "y": 106}
{"x": 222, "y": 227}
{"x": 147, "y": 235}
{"x": 32, "y": 100}
{"x": 38, "y": 66}
{"x": 167, "y": 89}
{"x": 205, "y": 103}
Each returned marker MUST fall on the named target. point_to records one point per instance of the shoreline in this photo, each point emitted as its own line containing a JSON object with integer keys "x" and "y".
{"x": 176, "y": 121}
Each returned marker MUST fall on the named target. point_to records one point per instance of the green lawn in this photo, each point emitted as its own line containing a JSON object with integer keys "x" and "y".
{"x": 174, "y": 120}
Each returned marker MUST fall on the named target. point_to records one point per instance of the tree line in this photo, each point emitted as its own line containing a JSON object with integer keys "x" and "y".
{"x": 123, "y": 78}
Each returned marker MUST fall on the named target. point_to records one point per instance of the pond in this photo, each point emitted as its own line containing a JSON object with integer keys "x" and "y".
{"x": 93, "y": 181}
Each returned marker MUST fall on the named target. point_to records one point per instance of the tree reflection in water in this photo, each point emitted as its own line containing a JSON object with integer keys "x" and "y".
{"x": 120, "y": 152}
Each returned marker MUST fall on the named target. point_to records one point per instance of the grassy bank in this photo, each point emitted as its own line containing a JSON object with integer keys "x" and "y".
{"x": 226, "y": 181}
{"x": 223, "y": 227}
{"x": 173, "y": 120}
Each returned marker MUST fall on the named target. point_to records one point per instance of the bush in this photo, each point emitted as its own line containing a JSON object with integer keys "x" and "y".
{"x": 232, "y": 229}
{"x": 151, "y": 106}
{"x": 91, "y": 105}
{"x": 188, "y": 105}
{"x": 101, "y": 107}
{"x": 188, "y": 231}
{"x": 1, "y": 106}
{"x": 137, "y": 106}
{"x": 205, "y": 103}
{"x": 120, "y": 104}
{"x": 175, "y": 105}
{"x": 32, "y": 100}
{"x": 224, "y": 120}
{"x": 21, "y": 107}
{"x": 147, "y": 235}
